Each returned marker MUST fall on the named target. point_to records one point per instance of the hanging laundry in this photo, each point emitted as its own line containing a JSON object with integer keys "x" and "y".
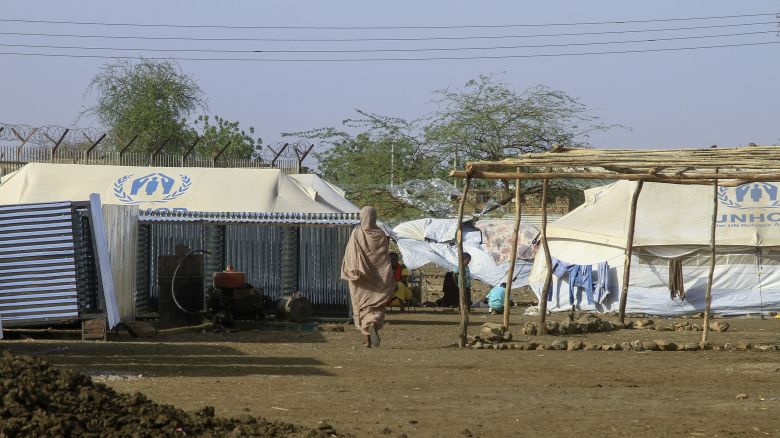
{"x": 601, "y": 289}
{"x": 579, "y": 276}
{"x": 676, "y": 281}
{"x": 582, "y": 277}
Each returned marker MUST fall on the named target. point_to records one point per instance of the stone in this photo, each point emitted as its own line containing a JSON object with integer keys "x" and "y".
{"x": 574, "y": 346}
{"x": 590, "y": 346}
{"x": 728, "y": 346}
{"x": 742, "y": 396}
{"x": 504, "y": 347}
{"x": 663, "y": 328}
{"x": 542, "y": 347}
{"x": 496, "y": 338}
{"x": 681, "y": 325}
{"x": 552, "y": 327}
{"x": 626, "y": 346}
{"x": 520, "y": 346}
{"x": 765, "y": 347}
{"x": 696, "y": 328}
{"x": 492, "y": 328}
{"x": 743, "y": 345}
{"x": 645, "y": 324}
{"x": 649, "y": 345}
{"x": 689, "y": 347}
{"x": 665, "y": 345}
{"x": 719, "y": 326}
{"x": 717, "y": 348}
{"x": 530, "y": 328}
{"x": 706, "y": 345}
{"x": 617, "y": 325}
{"x": 508, "y": 336}
{"x": 477, "y": 345}
{"x": 606, "y": 347}
{"x": 637, "y": 345}
{"x": 559, "y": 344}
{"x": 532, "y": 345}
{"x": 496, "y": 346}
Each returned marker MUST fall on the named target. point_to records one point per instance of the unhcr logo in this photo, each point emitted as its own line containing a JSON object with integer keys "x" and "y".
{"x": 750, "y": 196}
{"x": 154, "y": 188}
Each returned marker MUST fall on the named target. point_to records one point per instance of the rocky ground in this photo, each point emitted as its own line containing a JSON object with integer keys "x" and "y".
{"x": 418, "y": 384}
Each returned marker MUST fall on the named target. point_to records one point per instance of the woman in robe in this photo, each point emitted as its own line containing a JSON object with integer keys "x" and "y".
{"x": 367, "y": 269}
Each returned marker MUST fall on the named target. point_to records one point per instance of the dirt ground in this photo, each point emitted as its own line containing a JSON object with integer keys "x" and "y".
{"x": 418, "y": 384}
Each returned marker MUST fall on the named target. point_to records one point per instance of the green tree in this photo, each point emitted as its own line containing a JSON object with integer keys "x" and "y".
{"x": 224, "y": 133}
{"x": 489, "y": 121}
{"x": 151, "y": 99}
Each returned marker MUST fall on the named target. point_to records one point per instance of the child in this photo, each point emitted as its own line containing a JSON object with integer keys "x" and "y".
{"x": 495, "y": 299}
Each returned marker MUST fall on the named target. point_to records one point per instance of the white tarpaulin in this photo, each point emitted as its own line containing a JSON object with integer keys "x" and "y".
{"x": 426, "y": 241}
{"x": 176, "y": 188}
{"x": 673, "y": 221}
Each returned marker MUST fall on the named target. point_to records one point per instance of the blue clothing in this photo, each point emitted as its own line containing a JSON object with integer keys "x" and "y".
{"x": 602, "y": 284}
{"x": 466, "y": 280}
{"x": 496, "y": 297}
{"x": 579, "y": 276}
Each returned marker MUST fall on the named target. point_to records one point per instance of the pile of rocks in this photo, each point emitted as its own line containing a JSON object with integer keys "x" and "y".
{"x": 585, "y": 323}
{"x": 39, "y": 399}
{"x": 649, "y": 324}
{"x": 657, "y": 345}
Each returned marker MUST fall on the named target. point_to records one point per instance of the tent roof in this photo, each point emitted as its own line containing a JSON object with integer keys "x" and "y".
{"x": 177, "y": 189}
{"x": 674, "y": 215}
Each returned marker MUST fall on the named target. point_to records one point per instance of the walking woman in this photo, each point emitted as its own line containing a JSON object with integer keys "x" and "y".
{"x": 367, "y": 269}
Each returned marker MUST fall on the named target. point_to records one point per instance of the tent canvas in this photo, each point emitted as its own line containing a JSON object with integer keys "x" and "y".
{"x": 176, "y": 189}
{"x": 673, "y": 221}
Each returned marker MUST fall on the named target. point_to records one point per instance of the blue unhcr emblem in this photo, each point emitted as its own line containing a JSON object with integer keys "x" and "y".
{"x": 154, "y": 188}
{"x": 751, "y": 195}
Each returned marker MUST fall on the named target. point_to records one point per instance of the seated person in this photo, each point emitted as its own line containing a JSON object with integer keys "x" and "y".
{"x": 495, "y": 299}
{"x": 403, "y": 294}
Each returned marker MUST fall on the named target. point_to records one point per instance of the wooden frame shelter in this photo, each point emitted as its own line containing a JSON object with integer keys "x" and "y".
{"x": 725, "y": 167}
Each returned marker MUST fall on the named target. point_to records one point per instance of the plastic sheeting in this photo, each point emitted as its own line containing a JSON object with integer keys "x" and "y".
{"x": 426, "y": 241}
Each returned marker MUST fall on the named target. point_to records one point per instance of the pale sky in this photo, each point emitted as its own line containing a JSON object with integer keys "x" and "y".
{"x": 688, "y": 98}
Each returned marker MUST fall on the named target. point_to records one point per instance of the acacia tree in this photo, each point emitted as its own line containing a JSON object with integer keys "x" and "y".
{"x": 151, "y": 99}
{"x": 487, "y": 120}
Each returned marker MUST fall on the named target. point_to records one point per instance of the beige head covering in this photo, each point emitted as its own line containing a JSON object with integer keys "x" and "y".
{"x": 366, "y": 257}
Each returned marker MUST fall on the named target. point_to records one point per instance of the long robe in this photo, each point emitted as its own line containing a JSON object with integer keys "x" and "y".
{"x": 367, "y": 269}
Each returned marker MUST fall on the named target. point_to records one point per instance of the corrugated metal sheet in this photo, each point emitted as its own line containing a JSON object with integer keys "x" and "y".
{"x": 321, "y": 252}
{"x": 256, "y": 250}
{"x": 122, "y": 238}
{"x": 38, "y": 276}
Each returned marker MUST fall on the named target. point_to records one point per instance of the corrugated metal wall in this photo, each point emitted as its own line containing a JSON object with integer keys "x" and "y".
{"x": 256, "y": 250}
{"x": 320, "y": 256}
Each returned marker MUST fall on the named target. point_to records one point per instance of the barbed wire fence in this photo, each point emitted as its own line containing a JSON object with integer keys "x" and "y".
{"x": 21, "y": 144}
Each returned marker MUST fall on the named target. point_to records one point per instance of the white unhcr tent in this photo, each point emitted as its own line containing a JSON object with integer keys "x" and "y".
{"x": 176, "y": 189}
{"x": 672, "y": 221}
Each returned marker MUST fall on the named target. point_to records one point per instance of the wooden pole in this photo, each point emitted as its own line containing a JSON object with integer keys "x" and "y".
{"x": 629, "y": 252}
{"x": 708, "y": 299}
{"x": 513, "y": 257}
{"x": 548, "y": 260}
{"x": 464, "y": 310}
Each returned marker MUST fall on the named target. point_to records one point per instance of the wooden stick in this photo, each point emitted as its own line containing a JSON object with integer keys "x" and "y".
{"x": 464, "y": 310}
{"x": 708, "y": 299}
{"x": 688, "y": 178}
{"x": 513, "y": 256}
{"x": 548, "y": 259}
{"x": 629, "y": 251}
